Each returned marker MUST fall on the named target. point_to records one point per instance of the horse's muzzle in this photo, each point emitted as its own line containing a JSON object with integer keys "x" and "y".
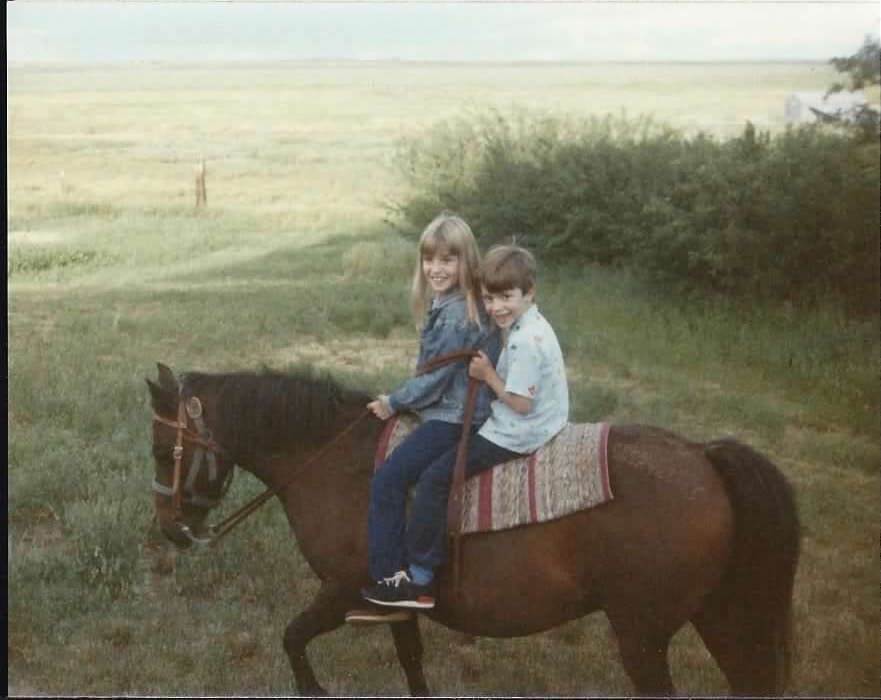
{"x": 176, "y": 532}
{"x": 183, "y": 536}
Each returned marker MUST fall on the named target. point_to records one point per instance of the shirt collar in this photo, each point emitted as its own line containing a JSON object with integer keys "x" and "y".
{"x": 528, "y": 316}
{"x": 446, "y": 299}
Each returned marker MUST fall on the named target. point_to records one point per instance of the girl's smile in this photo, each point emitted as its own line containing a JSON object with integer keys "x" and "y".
{"x": 441, "y": 269}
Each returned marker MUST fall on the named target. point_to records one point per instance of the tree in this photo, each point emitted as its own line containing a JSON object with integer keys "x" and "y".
{"x": 861, "y": 70}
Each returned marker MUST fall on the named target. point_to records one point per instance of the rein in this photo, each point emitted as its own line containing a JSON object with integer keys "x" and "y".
{"x": 227, "y": 524}
{"x": 202, "y": 437}
{"x": 215, "y": 532}
{"x": 454, "y": 503}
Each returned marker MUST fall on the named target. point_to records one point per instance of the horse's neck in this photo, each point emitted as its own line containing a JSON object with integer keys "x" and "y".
{"x": 324, "y": 490}
{"x": 300, "y": 466}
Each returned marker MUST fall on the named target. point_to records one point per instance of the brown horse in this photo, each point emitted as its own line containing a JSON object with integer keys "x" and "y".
{"x": 700, "y": 533}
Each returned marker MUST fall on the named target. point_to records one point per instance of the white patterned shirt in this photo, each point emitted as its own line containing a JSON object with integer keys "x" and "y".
{"x": 531, "y": 365}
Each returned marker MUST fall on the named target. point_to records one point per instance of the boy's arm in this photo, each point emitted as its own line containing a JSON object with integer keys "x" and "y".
{"x": 481, "y": 368}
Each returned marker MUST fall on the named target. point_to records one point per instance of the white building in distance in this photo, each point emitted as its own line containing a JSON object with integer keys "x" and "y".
{"x": 803, "y": 107}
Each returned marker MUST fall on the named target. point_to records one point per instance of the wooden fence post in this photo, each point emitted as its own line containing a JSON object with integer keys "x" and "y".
{"x": 201, "y": 192}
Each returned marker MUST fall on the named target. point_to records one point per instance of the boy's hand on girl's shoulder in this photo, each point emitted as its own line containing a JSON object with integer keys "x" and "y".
{"x": 379, "y": 407}
{"x": 481, "y": 368}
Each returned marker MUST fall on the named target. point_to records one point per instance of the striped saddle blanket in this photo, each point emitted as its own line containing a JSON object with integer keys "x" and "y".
{"x": 568, "y": 474}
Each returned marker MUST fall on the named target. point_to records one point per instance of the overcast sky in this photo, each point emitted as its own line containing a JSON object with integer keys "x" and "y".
{"x": 476, "y": 30}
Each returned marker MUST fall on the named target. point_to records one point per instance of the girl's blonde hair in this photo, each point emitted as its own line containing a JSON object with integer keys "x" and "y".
{"x": 452, "y": 232}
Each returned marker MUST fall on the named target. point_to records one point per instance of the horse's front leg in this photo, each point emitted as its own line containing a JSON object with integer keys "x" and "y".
{"x": 408, "y": 645}
{"x": 324, "y": 614}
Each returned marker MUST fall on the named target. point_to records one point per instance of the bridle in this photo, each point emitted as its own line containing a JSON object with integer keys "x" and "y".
{"x": 192, "y": 407}
{"x": 207, "y": 451}
{"x": 457, "y": 487}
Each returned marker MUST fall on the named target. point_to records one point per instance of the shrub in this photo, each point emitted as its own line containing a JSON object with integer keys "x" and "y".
{"x": 790, "y": 217}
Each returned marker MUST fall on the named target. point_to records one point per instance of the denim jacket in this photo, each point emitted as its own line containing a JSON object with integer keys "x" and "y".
{"x": 440, "y": 395}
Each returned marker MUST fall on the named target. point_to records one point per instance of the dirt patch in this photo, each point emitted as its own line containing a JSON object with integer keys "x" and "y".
{"x": 41, "y": 525}
{"x": 35, "y": 238}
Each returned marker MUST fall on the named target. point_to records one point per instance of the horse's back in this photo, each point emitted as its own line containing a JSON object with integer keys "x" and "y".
{"x": 662, "y": 543}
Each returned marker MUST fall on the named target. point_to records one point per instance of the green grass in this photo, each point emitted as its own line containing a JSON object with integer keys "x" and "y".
{"x": 111, "y": 269}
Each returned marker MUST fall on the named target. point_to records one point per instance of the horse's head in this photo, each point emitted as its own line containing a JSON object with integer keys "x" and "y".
{"x": 193, "y": 471}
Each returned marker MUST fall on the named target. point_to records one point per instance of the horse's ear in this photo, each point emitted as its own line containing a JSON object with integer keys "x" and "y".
{"x": 167, "y": 380}
{"x": 162, "y": 400}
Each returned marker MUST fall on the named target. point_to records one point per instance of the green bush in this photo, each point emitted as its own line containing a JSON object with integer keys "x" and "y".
{"x": 793, "y": 216}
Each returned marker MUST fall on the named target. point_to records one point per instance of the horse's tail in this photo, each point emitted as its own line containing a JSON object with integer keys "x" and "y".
{"x": 747, "y": 621}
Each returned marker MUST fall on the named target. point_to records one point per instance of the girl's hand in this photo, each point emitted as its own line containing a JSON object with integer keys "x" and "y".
{"x": 379, "y": 407}
{"x": 481, "y": 368}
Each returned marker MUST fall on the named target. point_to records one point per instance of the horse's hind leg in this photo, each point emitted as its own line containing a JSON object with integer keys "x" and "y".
{"x": 643, "y": 646}
{"x": 718, "y": 634}
{"x": 749, "y": 665}
{"x": 408, "y": 645}
{"x": 324, "y": 614}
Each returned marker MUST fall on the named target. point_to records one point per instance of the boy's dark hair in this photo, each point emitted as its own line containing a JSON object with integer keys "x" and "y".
{"x": 508, "y": 267}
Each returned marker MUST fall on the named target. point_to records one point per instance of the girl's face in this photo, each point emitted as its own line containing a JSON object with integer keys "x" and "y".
{"x": 441, "y": 269}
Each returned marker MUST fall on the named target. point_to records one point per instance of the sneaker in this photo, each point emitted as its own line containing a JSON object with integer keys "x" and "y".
{"x": 371, "y": 615}
{"x": 400, "y": 592}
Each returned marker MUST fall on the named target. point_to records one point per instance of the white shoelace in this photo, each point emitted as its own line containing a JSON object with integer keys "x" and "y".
{"x": 397, "y": 579}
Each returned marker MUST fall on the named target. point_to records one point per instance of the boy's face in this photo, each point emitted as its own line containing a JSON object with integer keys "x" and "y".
{"x": 505, "y": 308}
{"x": 441, "y": 269}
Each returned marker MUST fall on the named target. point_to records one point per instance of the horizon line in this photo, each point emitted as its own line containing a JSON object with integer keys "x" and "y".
{"x": 532, "y": 61}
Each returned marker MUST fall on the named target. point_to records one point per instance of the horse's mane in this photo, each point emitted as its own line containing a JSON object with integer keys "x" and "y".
{"x": 269, "y": 411}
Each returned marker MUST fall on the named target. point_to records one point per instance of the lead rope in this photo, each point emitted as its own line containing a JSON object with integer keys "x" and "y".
{"x": 457, "y": 488}
{"x": 224, "y": 526}
{"x": 454, "y": 505}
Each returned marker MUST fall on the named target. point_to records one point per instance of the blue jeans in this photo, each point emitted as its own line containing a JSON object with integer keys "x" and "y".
{"x": 387, "y": 517}
{"x": 427, "y": 529}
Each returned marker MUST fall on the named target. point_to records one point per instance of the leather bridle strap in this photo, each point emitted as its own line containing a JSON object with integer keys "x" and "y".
{"x": 442, "y": 360}
{"x": 227, "y": 524}
{"x": 222, "y": 528}
{"x": 178, "y": 454}
{"x": 205, "y": 444}
{"x": 195, "y": 498}
{"x": 457, "y": 488}
{"x": 185, "y": 433}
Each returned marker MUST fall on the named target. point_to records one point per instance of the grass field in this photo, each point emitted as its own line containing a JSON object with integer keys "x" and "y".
{"x": 111, "y": 268}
